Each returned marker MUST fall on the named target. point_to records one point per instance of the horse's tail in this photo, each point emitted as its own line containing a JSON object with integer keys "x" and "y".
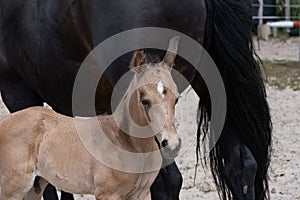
{"x": 228, "y": 41}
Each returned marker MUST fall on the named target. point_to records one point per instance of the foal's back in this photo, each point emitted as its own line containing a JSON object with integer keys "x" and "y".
{"x": 29, "y": 124}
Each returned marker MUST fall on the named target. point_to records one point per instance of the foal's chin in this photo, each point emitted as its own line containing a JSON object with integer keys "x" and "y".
{"x": 169, "y": 153}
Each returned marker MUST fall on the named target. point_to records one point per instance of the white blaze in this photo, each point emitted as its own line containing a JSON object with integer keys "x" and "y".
{"x": 160, "y": 88}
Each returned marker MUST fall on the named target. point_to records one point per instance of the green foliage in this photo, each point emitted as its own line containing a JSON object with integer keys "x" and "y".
{"x": 282, "y": 73}
{"x": 280, "y": 11}
{"x": 295, "y": 11}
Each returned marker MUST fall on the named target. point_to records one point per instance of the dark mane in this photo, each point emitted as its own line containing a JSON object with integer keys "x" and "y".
{"x": 152, "y": 58}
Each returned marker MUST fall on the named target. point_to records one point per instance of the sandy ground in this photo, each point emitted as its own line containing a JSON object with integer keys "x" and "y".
{"x": 278, "y": 49}
{"x": 285, "y": 109}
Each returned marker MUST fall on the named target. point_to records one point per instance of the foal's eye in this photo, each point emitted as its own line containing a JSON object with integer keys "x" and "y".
{"x": 176, "y": 101}
{"x": 145, "y": 102}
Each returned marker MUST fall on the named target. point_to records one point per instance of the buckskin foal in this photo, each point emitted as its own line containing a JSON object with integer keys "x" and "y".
{"x": 38, "y": 145}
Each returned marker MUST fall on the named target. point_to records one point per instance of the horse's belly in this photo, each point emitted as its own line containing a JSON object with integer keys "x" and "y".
{"x": 72, "y": 177}
{"x": 66, "y": 164}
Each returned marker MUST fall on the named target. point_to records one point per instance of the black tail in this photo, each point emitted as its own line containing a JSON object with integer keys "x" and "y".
{"x": 228, "y": 41}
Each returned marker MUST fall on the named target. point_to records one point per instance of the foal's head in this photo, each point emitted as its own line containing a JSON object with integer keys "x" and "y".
{"x": 153, "y": 101}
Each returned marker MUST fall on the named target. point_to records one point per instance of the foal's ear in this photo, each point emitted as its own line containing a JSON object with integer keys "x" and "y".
{"x": 170, "y": 56}
{"x": 138, "y": 59}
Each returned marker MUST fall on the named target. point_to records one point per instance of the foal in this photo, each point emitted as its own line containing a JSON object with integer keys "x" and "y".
{"x": 87, "y": 156}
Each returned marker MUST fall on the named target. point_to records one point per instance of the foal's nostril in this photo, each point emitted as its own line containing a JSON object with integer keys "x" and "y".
{"x": 164, "y": 143}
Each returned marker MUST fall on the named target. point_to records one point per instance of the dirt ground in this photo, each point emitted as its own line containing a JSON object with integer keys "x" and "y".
{"x": 285, "y": 109}
{"x": 278, "y": 49}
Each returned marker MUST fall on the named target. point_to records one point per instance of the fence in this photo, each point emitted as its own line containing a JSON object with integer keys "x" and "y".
{"x": 289, "y": 21}
{"x": 286, "y": 6}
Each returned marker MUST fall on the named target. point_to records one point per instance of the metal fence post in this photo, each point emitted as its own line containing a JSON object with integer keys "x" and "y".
{"x": 261, "y": 14}
{"x": 288, "y": 13}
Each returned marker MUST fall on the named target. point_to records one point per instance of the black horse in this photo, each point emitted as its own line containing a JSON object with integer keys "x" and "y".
{"x": 43, "y": 43}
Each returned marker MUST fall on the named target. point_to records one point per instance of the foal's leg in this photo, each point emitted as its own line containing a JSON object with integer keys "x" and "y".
{"x": 17, "y": 96}
{"x": 15, "y": 186}
{"x": 32, "y": 195}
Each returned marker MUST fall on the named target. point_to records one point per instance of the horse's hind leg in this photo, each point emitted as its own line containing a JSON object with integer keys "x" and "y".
{"x": 240, "y": 170}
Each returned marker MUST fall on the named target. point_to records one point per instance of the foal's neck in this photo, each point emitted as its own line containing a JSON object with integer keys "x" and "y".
{"x": 127, "y": 121}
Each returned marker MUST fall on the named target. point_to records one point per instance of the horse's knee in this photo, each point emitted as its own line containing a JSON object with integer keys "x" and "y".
{"x": 175, "y": 175}
{"x": 176, "y": 186}
{"x": 226, "y": 171}
{"x": 251, "y": 167}
{"x": 66, "y": 196}
{"x": 50, "y": 193}
{"x": 250, "y": 164}
{"x": 174, "y": 180}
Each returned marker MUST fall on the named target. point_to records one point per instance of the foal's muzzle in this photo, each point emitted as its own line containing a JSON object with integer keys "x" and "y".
{"x": 170, "y": 147}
